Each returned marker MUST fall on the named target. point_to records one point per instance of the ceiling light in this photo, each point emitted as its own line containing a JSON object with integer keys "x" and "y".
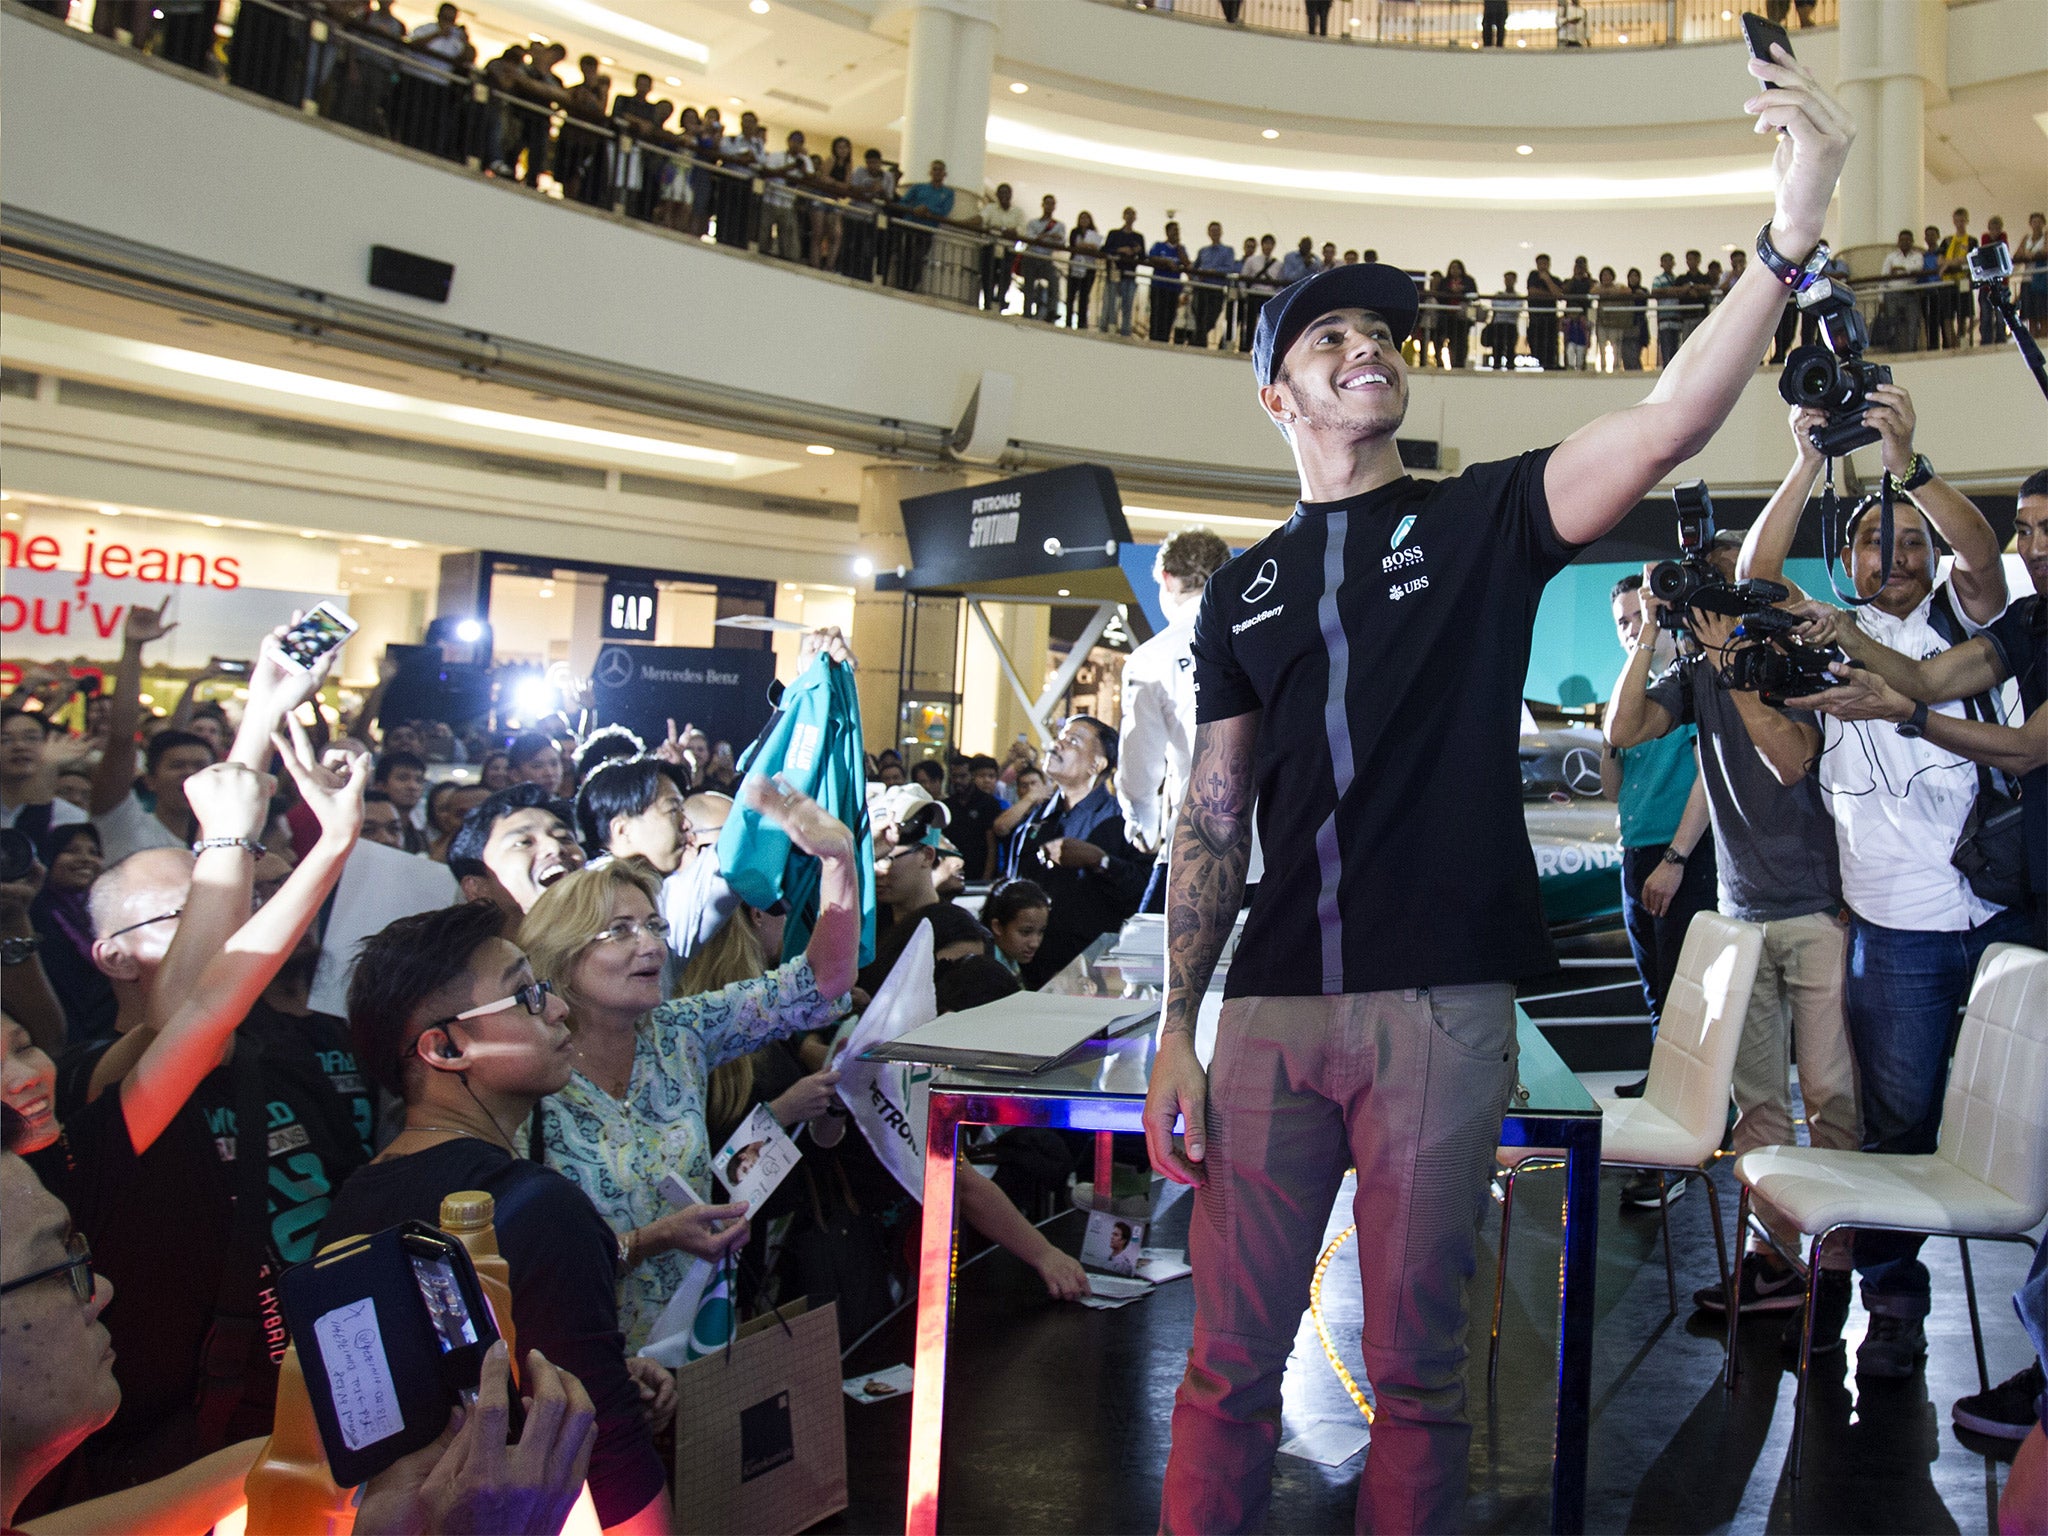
{"x": 388, "y": 580}
{"x": 13, "y": 517}
{"x": 1018, "y": 87}
{"x": 734, "y": 101}
{"x": 1621, "y": 37}
{"x": 1065, "y": 593}
{"x": 1745, "y": 183}
{"x": 403, "y": 544}
{"x": 671, "y": 79}
{"x": 1521, "y": 42}
{"x": 758, "y": 7}
{"x": 1525, "y": 149}
{"x": 625, "y": 29}
{"x": 863, "y": 567}
{"x": 1727, "y": 15}
{"x": 469, "y": 631}
{"x": 607, "y": 63}
{"x": 307, "y": 533}
{"x": 359, "y": 570}
{"x": 1269, "y": 133}
{"x": 820, "y": 450}
{"x": 212, "y": 522}
{"x": 308, "y": 386}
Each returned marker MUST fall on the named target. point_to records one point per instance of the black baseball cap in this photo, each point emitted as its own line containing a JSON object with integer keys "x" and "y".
{"x": 1387, "y": 291}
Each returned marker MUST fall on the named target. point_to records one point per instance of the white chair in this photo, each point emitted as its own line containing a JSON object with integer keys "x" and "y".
{"x": 1987, "y": 1177}
{"x": 1676, "y": 1127}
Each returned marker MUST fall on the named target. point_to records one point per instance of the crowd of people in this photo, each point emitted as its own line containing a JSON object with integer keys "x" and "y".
{"x": 859, "y": 214}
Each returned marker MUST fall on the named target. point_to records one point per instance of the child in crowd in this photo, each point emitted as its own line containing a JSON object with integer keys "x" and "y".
{"x": 1016, "y": 913}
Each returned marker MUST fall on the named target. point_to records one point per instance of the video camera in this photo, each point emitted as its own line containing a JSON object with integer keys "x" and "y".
{"x": 1834, "y": 377}
{"x": 1778, "y": 668}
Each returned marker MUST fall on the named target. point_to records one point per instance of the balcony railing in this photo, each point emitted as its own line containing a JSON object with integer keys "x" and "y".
{"x": 1514, "y": 24}
{"x": 801, "y": 215}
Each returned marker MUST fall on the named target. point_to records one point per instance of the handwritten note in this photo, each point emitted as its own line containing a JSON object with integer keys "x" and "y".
{"x": 358, "y": 1373}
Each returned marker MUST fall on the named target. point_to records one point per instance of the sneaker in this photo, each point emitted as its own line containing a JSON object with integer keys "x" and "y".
{"x": 2006, "y": 1412}
{"x": 1632, "y": 1090}
{"x": 1831, "y": 1311}
{"x": 1641, "y": 1192}
{"x": 1893, "y": 1349}
{"x": 1767, "y": 1286}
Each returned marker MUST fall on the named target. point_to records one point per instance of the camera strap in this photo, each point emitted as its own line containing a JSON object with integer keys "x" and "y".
{"x": 1833, "y": 525}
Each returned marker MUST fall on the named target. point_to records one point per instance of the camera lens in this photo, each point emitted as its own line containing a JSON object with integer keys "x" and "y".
{"x": 1670, "y": 581}
{"x": 1811, "y": 377}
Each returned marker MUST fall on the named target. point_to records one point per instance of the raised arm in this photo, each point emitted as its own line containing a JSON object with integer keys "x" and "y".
{"x": 1769, "y": 539}
{"x": 1602, "y": 470}
{"x": 114, "y": 779}
{"x": 1978, "y": 574}
{"x": 1212, "y": 847}
{"x": 190, "y": 1038}
{"x": 1865, "y": 695}
{"x": 834, "y": 948}
{"x": 1956, "y": 673}
{"x": 1632, "y": 716}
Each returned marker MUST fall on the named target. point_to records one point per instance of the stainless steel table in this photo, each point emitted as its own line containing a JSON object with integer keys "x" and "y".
{"x": 1104, "y": 1090}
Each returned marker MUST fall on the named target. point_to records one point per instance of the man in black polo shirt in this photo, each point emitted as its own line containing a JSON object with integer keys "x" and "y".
{"x": 1360, "y": 673}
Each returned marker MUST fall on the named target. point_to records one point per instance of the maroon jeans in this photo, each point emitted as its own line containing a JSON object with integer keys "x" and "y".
{"x": 1409, "y": 1088}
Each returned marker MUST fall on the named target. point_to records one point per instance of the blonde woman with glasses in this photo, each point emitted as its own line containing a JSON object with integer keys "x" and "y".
{"x": 634, "y": 1109}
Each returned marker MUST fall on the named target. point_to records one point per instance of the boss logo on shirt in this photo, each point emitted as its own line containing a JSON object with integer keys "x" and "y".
{"x": 1401, "y": 559}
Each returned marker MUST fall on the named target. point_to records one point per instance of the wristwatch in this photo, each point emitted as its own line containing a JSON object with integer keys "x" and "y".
{"x": 1921, "y": 472}
{"x": 1914, "y": 724}
{"x": 20, "y": 948}
{"x": 1795, "y": 275}
{"x": 1673, "y": 856}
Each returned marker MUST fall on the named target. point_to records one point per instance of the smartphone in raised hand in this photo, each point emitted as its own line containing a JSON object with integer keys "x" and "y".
{"x": 322, "y": 629}
{"x": 1760, "y": 34}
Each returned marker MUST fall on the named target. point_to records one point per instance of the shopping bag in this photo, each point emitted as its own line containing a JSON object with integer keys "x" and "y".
{"x": 890, "y": 1100}
{"x": 761, "y": 1429}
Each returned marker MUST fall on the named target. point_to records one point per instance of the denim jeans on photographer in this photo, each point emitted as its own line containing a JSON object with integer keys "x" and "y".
{"x": 1903, "y": 993}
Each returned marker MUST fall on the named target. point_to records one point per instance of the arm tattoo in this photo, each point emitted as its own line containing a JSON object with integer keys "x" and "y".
{"x": 1212, "y": 848}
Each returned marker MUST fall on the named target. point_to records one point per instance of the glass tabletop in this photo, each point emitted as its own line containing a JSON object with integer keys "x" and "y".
{"x": 1121, "y": 1069}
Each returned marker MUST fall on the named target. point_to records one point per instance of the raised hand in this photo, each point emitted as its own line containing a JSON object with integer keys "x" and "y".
{"x": 276, "y": 687}
{"x": 1814, "y": 137}
{"x": 805, "y": 1099}
{"x": 230, "y": 800}
{"x": 334, "y": 794}
{"x": 830, "y": 641}
{"x": 805, "y": 821}
{"x": 146, "y": 624}
{"x": 670, "y": 749}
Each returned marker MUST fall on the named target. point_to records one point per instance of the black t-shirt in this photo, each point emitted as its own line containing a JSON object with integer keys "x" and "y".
{"x": 563, "y": 1260}
{"x": 1386, "y": 639}
{"x": 1542, "y": 289}
{"x": 1122, "y": 248}
{"x": 2021, "y": 637}
{"x": 161, "y": 1223}
{"x": 974, "y": 815}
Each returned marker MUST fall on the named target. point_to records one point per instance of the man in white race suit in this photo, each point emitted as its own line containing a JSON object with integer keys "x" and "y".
{"x": 1158, "y": 727}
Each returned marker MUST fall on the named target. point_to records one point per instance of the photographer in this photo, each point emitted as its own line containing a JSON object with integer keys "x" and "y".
{"x": 1666, "y": 875}
{"x": 1774, "y": 856}
{"x": 1916, "y": 928}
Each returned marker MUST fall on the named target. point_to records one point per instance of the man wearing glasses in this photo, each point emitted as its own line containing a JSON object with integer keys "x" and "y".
{"x": 448, "y": 1016}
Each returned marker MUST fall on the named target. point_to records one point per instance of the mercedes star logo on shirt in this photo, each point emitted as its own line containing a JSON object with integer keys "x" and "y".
{"x": 1263, "y": 582}
{"x": 614, "y": 668}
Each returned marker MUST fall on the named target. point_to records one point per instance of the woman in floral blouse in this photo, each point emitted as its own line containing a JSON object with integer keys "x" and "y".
{"x": 634, "y": 1110}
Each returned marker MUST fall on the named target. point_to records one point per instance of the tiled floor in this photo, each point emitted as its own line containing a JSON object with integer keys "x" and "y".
{"x": 1057, "y": 1418}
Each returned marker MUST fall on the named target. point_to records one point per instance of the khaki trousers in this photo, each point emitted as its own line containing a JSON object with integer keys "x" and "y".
{"x": 1408, "y": 1087}
{"x": 1798, "y": 983}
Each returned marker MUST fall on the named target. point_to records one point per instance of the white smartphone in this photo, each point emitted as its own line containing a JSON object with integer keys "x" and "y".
{"x": 322, "y": 629}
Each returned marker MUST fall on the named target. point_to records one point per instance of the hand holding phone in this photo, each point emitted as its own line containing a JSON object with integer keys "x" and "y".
{"x": 1760, "y": 35}
{"x": 324, "y": 628}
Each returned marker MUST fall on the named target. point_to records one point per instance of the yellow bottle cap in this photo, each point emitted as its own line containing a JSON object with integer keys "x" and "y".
{"x": 467, "y": 1210}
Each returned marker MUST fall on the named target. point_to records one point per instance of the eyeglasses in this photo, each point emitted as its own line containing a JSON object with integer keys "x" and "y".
{"x": 161, "y": 917}
{"x": 77, "y": 1268}
{"x": 627, "y": 930}
{"x": 533, "y": 997}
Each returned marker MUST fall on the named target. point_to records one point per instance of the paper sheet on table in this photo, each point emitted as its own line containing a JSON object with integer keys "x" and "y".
{"x": 1022, "y": 1032}
{"x": 1106, "y": 1303}
{"x": 1117, "y": 1288}
{"x": 1329, "y": 1442}
{"x": 1159, "y": 1265}
{"x": 879, "y": 1386}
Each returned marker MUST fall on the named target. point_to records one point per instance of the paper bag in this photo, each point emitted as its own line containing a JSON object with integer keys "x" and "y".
{"x": 761, "y": 1430}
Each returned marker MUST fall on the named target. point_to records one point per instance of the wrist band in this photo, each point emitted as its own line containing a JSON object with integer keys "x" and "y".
{"x": 250, "y": 843}
{"x": 20, "y": 948}
{"x": 1795, "y": 275}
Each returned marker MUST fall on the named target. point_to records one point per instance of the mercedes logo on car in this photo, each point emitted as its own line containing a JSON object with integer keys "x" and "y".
{"x": 1582, "y": 771}
{"x": 614, "y": 668}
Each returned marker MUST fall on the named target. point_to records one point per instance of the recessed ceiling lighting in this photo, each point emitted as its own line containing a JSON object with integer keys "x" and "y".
{"x": 863, "y": 566}
{"x": 1269, "y": 133}
{"x": 820, "y": 449}
{"x": 1727, "y": 15}
{"x": 671, "y": 79}
{"x": 1621, "y": 37}
{"x": 12, "y": 517}
{"x": 1525, "y": 149}
{"x": 307, "y": 533}
{"x": 734, "y": 101}
{"x": 1065, "y": 593}
{"x": 758, "y": 7}
{"x": 212, "y": 522}
{"x": 1521, "y": 42}
{"x": 389, "y": 580}
{"x": 403, "y": 544}
{"x": 607, "y": 63}
{"x": 1018, "y": 87}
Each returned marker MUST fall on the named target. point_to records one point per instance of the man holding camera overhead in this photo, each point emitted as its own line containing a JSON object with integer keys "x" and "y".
{"x": 1916, "y": 929}
{"x": 1774, "y": 852}
{"x": 1359, "y": 673}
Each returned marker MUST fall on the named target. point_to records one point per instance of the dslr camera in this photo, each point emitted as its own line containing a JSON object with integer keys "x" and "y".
{"x": 1780, "y": 667}
{"x": 1834, "y": 376}
{"x": 1691, "y": 581}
